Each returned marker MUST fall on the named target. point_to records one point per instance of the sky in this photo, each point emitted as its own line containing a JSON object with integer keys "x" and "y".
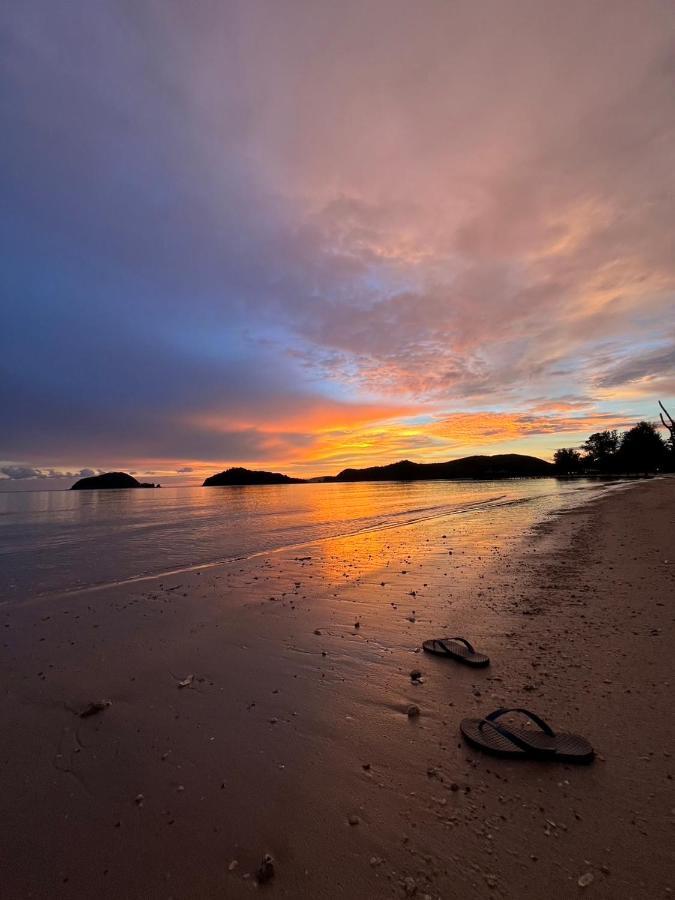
{"x": 299, "y": 235}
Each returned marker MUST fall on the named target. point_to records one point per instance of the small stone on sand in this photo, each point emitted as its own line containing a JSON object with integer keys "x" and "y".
{"x": 265, "y": 869}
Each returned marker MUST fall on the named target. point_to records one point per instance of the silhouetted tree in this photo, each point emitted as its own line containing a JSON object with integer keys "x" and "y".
{"x": 567, "y": 460}
{"x": 642, "y": 449}
{"x": 601, "y": 449}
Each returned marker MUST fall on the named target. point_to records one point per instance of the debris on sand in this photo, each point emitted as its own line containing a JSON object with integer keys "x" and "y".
{"x": 585, "y": 879}
{"x": 416, "y": 676}
{"x": 186, "y": 682}
{"x": 409, "y": 886}
{"x": 354, "y": 820}
{"x": 265, "y": 870}
{"x": 96, "y": 707}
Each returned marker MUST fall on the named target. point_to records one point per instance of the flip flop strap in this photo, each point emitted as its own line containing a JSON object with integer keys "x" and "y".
{"x": 545, "y": 727}
{"x": 461, "y": 640}
{"x": 515, "y": 739}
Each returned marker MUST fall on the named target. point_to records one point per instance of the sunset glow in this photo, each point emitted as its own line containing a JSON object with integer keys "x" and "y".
{"x": 281, "y": 243}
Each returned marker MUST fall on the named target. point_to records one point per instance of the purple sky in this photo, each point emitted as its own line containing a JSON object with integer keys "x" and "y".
{"x": 301, "y": 235}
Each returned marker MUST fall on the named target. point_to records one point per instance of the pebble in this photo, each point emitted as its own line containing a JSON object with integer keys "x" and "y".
{"x": 233, "y": 865}
{"x": 585, "y": 879}
{"x": 413, "y": 711}
{"x": 415, "y": 675}
{"x": 354, "y": 820}
{"x": 265, "y": 869}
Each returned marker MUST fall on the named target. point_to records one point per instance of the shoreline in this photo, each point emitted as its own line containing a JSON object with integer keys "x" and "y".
{"x": 265, "y": 750}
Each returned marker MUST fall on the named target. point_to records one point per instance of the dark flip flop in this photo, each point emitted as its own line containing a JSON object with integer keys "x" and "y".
{"x": 507, "y": 740}
{"x": 458, "y": 648}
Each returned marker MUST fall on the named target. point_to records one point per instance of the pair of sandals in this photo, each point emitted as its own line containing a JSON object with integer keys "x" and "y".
{"x": 496, "y": 737}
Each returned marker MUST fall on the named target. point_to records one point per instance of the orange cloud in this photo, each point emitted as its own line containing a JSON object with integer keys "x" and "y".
{"x": 313, "y": 418}
{"x": 493, "y": 427}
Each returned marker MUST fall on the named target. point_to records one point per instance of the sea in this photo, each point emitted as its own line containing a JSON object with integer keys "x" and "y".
{"x": 58, "y": 541}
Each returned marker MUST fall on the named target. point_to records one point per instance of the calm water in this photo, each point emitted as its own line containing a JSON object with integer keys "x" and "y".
{"x": 59, "y": 540}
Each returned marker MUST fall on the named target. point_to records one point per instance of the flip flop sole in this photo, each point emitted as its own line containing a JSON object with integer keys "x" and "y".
{"x": 562, "y": 747}
{"x": 456, "y": 651}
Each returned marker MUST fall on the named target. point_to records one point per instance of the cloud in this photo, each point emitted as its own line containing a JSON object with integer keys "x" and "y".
{"x": 253, "y": 248}
{"x": 648, "y": 367}
{"x": 490, "y": 427}
{"x": 19, "y": 472}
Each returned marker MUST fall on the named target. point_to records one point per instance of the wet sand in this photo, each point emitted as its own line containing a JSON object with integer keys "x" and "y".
{"x": 292, "y": 735}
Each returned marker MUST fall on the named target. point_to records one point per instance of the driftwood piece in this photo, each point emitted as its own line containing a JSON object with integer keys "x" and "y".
{"x": 669, "y": 425}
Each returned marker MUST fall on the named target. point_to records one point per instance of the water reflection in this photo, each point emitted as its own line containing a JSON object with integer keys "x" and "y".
{"x": 55, "y": 540}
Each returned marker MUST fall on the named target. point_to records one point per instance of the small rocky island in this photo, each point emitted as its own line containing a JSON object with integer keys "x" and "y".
{"x": 238, "y": 476}
{"x": 110, "y": 481}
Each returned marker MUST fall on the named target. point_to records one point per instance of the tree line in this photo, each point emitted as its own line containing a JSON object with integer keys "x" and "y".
{"x": 641, "y": 449}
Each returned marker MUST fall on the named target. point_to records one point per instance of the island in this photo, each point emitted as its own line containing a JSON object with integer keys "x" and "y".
{"x": 505, "y": 465}
{"x": 239, "y": 476}
{"x": 110, "y": 481}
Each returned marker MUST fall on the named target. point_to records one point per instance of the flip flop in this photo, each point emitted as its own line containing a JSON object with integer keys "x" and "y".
{"x": 507, "y": 740}
{"x": 458, "y": 648}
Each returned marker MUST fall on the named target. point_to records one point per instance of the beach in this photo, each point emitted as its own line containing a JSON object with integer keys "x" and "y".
{"x": 263, "y": 706}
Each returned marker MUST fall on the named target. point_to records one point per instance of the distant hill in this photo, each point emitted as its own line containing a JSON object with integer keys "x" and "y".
{"x": 109, "y": 481}
{"x": 246, "y": 476}
{"x": 505, "y": 465}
